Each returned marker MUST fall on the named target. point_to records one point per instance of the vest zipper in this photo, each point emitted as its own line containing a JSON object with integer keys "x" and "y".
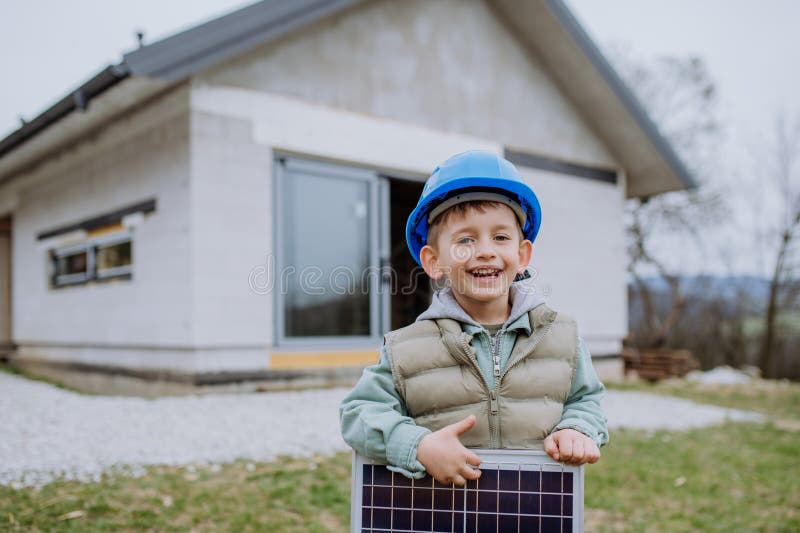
{"x": 496, "y": 356}
{"x": 494, "y": 409}
{"x": 494, "y": 441}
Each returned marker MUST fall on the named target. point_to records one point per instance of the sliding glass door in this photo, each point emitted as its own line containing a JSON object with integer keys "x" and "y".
{"x": 329, "y": 230}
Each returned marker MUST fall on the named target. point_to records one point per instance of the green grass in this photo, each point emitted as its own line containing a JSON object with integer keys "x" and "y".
{"x": 736, "y": 477}
{"x": 291, "y": 495}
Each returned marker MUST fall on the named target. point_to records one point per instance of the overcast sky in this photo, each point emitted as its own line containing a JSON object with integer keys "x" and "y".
{"x": 48, "y": 47}
{"x": 752, "y": 48}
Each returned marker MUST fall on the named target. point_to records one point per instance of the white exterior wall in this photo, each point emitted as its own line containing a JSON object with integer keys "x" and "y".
{"x": 448, "y": 65}
{"x": 235, "y": 134}
{"x": 5, "y": 288}
{"x": 395, "y": 86}
{"x": 232, "y": 221}
{"x": 141, "y": 156}
{"x": 579, "y": 256}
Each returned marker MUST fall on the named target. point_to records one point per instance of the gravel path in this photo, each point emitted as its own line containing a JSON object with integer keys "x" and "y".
{"x": 47, "y": 432}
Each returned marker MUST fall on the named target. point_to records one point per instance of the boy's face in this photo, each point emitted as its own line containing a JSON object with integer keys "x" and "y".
{"x": 480, "y": 253}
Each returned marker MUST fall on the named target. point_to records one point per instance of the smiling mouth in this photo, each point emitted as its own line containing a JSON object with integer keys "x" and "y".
{"x": 485, "y": 273}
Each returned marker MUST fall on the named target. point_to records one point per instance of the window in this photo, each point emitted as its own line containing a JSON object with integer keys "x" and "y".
{"x": 340, "y": 246}
{"x": 96, "y": 248}
{"x": 98, "y": 258}
{"x": 113, "y": 258}
{"x": 327, "y": 254}
{"x": 71, "y": 265}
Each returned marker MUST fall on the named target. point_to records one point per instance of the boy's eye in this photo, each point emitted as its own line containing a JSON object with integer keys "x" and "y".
{"x": 464, "y": 240}
{"x": 502, "y": 237}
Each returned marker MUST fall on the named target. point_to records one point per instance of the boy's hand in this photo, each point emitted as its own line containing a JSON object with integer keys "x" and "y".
{"x": 445, "y": 458}
{"x": 572, "y": 447}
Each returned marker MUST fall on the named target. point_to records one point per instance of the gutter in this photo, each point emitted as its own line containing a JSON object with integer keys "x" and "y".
{"x": 183, "y": 54}
{"x": 77, "y": 100}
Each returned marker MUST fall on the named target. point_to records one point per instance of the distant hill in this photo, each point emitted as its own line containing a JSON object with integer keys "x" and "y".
{"x": 728, "y": 289}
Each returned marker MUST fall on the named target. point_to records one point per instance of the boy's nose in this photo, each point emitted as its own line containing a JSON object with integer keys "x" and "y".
{"x": 484, "y": 249}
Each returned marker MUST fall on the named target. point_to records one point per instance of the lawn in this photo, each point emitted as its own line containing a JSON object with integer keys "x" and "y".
{"x": 737, "y": 477}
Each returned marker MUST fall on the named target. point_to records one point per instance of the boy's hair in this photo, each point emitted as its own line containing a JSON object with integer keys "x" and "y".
{"x": 461, "y": 210}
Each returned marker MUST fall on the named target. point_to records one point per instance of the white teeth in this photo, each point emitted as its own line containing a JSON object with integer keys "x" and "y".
{"x": 485, "y": 271}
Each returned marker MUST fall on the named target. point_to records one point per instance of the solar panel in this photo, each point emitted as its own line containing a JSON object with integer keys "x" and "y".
{"x": 519, "y": 491}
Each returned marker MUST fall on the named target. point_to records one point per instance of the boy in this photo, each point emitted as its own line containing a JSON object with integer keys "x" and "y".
{"x": 488, "y": 364}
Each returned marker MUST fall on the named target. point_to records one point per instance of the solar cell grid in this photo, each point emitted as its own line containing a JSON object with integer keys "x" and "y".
{"x": 517, "y": 492}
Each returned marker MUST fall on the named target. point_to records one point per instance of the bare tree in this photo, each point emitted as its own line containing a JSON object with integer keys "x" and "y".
{"x": 680, "y": 96}
{"x": 782, "y": 173}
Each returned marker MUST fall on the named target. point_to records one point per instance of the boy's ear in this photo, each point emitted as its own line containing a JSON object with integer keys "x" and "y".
{"x": 430, "y": 262}
{"x": 525, "y": 252}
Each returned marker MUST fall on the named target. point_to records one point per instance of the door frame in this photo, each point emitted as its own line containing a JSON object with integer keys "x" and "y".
{"x": 379, "y": 304}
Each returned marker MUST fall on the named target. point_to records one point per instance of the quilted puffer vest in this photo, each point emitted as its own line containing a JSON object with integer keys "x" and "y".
{"x": 436, "y": 372}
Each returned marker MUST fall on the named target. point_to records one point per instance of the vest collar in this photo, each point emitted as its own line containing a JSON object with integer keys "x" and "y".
{"x": 535, "y": 319}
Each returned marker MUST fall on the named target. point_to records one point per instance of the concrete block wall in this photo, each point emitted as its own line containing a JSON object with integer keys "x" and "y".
{"x": 449, "y": 66}
{"x": 144, "y": 155}
{"x": 579, "y": 256}
{"x": 232, "y": 235}
{"x": 391, "y": 85}
{"x": 5, "y": 286}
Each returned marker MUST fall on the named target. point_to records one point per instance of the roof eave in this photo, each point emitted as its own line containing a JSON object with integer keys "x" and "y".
{"x": 627, "y": 97}
{"x": 555, "y": 38}
{"x": 179, "y": 56}
{"x": 78, "y": 99}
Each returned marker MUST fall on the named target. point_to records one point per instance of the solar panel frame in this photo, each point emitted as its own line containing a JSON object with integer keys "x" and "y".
{"x": 482, "y": 509}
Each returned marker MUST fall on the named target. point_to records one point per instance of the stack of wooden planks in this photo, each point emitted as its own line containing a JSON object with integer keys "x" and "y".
{"x": 655, "y": 364}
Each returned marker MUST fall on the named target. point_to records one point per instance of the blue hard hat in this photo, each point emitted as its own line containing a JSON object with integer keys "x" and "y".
{"x": 473, "y": 171}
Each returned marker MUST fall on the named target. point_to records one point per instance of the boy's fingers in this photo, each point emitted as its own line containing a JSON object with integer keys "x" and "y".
{"x": 594, "y": 455}
{"x": 551, "y": 447}
{"x": 473, "y": 459}
{"x": 565, "y": 449}
{"x": 470, "y": 473}
{"x": 444, "y": 480}
{"x": 463, "y": 425}
{"x": 578, "y": 450}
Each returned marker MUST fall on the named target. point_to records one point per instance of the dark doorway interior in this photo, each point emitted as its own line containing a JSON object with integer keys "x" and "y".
{"x": 411, "y": 288}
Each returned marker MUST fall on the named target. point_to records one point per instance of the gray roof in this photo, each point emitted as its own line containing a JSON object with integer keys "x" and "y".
{"x": 206, "y": 45}
{"x": 546, "y": 26}
{"x": 185, "y": 53}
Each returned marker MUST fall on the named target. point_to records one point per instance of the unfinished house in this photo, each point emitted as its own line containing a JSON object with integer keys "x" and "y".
{"x": 228, "y": 204}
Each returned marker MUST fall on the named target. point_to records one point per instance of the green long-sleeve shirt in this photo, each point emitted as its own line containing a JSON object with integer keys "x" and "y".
{"x": 375, "y": 421}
